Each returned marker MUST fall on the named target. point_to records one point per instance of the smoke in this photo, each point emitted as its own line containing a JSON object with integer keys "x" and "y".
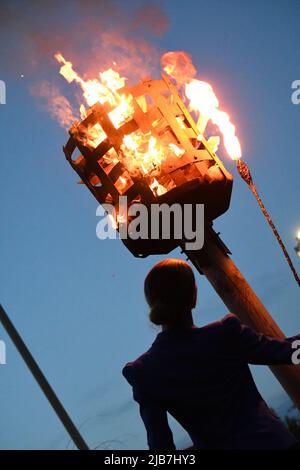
{"x": 92, "y": 32}
{"x": 151, "y": 18}
{"x": 132, "y": 57}
{"x": 56, "y": 104}
{"x": 178, "y": 65}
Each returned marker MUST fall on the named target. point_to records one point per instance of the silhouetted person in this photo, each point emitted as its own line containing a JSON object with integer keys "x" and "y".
{"x": 201, "y": 375}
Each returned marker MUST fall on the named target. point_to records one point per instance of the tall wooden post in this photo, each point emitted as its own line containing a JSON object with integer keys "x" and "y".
{"x": 214, "y": 262}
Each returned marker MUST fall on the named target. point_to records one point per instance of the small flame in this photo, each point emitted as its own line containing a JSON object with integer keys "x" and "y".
{"x": 177, "y": 150}
{"x": 157, "y": 188}
{"x": 120, "y": 219}
{"x": 103, "y": 91}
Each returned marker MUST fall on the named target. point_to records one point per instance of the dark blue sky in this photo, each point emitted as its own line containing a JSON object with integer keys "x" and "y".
{"x": 78, "y": 301}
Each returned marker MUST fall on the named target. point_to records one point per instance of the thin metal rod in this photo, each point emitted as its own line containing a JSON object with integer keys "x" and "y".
{"x": 42, "y": 381}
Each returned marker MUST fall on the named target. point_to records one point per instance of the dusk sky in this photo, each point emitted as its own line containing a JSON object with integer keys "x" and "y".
{"x": 78, "y": 301}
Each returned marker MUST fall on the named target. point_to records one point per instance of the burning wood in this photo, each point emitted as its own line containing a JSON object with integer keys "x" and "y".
{"x": 142, "y": 142}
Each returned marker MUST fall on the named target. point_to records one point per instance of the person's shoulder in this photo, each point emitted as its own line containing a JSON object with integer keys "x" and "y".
{"x": 224, "y": 332}
{"x": 228, "y": 322}
{"x": 133, "y": 369}
{"x": 227, "y": 326}
{"x": 231, "y": 325}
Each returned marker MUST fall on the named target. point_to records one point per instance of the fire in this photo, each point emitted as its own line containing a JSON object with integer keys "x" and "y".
{"x": 157, "y": 188}
{"x": 142, "y": 150}
{"x": 104, "y": 90}
{"x": 202, "y": 99}
{"x": 143, "y": 154}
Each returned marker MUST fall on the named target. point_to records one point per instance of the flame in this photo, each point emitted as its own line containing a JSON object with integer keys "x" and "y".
{"x": 103, "y": 91}
{"x": 142, "y": 153}
{"x": 202, "y": 99}
{"x": 157, "y": 188}
{"x": 177, "y": 150}
{"x": 179, "y": 65}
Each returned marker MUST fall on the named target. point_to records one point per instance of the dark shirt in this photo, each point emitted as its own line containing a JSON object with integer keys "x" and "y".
{"x": 202, "y": 378}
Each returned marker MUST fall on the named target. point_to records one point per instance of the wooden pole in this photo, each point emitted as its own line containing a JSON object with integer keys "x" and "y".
{"x": 42, "y": 381}
{"x": 229, "y": 283}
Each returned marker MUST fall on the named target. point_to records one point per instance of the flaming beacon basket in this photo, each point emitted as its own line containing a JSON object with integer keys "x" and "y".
{"x": 194, "y": 175}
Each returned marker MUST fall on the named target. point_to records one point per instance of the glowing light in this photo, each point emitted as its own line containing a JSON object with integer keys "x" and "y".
{"x": 202, "y": 100}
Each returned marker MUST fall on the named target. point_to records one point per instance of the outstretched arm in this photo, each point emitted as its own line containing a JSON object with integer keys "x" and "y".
{"x": 256, "y": 348}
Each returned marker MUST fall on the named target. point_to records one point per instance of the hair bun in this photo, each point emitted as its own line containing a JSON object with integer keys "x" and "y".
{"x": 160, "y": 313}
{"x": 165, "y": 313}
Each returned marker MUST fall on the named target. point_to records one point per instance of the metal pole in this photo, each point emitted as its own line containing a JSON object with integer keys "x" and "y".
{"x": 229, "y": 283}
{"x": 42, "y": 381}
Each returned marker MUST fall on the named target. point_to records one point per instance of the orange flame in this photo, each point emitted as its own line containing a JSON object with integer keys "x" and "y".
{"x": 158, "y": 189}
{"x": 142, "y": 153}
{"x": 205, "y": 103}
{"x": 202, "y": 99}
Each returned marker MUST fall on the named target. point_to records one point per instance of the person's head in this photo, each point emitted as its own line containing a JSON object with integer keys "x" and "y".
{"x": 171, "y": 292}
